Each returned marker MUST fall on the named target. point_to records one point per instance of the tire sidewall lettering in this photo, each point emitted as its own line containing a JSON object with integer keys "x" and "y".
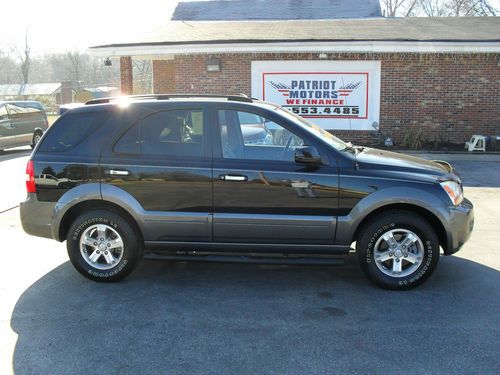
{"x": 425, "y": 266}
{"x": 89, "y": 222}
{"x": 369, "y": 249}
{"x": 110, "y": 273}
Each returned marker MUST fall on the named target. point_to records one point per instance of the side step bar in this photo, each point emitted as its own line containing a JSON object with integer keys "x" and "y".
{"x": 282, "y": 260}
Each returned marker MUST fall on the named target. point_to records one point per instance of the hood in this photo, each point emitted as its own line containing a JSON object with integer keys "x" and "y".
{"x": 371, "y": 158}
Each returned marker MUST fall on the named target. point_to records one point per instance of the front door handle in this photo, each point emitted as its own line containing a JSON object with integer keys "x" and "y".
{"x": 117, "y": 172}
{"x": 233, "y": 177}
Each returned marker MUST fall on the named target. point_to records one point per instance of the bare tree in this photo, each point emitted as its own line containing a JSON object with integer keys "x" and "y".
{"x": 405, "y": 8}
{"x": 8, "y": 69}
{"x": 143, "y": 78}
{"x": 25, "y": 59}
{"x": 457, "y": 8}
{"x": 437, "y": 8}
{"x": 473, "y": 8}
{"x": 75, "y": 66}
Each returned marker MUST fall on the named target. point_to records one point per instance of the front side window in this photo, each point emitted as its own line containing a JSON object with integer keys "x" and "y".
{"x": 246, "y": 135}
{"x": 176, "y": 133}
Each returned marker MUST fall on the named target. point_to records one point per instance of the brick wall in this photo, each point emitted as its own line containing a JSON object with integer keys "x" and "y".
{"x": 448, "y": 96}
{"x": 126, "y": 75}
{"x": 164, "y": 77}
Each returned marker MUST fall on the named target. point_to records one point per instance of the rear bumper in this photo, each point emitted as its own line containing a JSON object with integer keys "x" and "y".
{"x": 460, "y": 227}
{"x": 36, "y": 217}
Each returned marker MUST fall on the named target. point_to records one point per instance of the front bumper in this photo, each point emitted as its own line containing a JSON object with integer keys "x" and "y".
{"x": 36, "y": 216}
{"x": 460, "y": 225}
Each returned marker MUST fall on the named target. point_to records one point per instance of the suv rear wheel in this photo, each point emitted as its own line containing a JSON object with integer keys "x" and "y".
{"x": 103, "y": 246}
{"x": 398, "y": 250}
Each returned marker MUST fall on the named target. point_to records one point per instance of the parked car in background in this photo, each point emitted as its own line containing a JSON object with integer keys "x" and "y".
{"x": 22, "y": 123}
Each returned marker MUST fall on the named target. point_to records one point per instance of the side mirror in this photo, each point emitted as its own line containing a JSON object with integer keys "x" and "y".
{"x": 307, "y": 155}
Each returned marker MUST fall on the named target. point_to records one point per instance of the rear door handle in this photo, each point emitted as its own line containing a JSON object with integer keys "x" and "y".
{"x": 233, "y": 177}
{"x": 117, "y": 172}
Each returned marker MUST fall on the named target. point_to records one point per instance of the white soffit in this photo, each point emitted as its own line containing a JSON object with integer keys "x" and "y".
{"x": 166, "y": 51}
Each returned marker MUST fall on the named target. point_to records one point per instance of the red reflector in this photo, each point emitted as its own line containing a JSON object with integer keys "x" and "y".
{"x": 30, "y": 177}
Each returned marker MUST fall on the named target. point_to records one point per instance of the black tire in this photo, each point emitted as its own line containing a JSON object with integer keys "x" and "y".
{"x": 372, "y": 232}
{"x": 132, "y": 247}
{"x": 36, "y": 138}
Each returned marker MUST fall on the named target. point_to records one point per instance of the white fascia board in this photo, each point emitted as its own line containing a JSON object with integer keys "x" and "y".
{"x": 162, "y": 51}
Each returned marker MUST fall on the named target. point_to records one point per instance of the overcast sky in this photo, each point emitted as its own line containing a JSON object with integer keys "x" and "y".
{"x": 59, "y": 25}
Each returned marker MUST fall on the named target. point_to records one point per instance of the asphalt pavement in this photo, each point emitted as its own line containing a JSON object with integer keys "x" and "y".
{"x": 198, "y": 318}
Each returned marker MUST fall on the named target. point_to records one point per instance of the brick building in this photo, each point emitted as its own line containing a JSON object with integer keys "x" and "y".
{"x": 352, "y": 72}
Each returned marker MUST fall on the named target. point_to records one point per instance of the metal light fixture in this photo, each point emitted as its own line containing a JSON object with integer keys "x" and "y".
{"x": 107, "y": 62}
{"x": 213, "y": 65}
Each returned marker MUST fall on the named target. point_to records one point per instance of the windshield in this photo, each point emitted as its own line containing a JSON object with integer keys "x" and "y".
{"x": 333, "y": 141}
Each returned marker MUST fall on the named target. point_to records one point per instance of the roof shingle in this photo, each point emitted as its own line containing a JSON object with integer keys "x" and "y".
{"x": 453, "y": 29}
{"x": 226, "y": 10}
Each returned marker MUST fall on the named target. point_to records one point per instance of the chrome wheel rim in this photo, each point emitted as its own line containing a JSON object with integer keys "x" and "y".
{"x": 101, "y": 246}
{"x": 37, "y": 139}
{"x": 398, "y": 252}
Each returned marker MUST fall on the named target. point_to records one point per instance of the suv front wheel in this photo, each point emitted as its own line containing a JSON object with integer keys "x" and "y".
{"x": 398, "y": 250}
{"x": 103, "y": 246}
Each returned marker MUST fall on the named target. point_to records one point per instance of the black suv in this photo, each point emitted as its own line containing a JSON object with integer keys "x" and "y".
{"x": 204, "y": 178}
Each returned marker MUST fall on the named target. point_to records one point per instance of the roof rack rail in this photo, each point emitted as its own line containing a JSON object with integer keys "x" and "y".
{"x": 235, "y": 98}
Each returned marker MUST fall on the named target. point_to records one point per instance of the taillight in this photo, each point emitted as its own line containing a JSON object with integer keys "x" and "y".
{"x": 30, "y": 177}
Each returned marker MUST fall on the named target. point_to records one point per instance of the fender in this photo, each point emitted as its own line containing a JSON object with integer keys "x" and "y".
{"x": 347, "y": 225}
{"x": 120, "y": 197}
{"x": 94, "y": 191}
{"x": 78, "y": 194}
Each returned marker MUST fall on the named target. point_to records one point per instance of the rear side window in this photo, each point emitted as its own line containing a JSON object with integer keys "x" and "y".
{"x": 176, "y": 133}
{"x": 72, "y": 129}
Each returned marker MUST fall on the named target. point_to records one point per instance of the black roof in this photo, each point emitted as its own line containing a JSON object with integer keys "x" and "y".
{"x": 233, "y": 10}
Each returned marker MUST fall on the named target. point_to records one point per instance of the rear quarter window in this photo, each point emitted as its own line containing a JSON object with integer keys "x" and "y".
{"x": 71, "y": 130}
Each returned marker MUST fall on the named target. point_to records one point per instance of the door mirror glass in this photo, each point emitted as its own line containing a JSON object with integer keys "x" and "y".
{"x": 307, "y": 155}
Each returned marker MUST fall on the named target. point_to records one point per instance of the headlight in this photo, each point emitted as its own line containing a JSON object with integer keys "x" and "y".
{"x": 454, "y": 191}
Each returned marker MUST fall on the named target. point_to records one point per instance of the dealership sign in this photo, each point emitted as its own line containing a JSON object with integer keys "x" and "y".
{"x": 333, "y": 94}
